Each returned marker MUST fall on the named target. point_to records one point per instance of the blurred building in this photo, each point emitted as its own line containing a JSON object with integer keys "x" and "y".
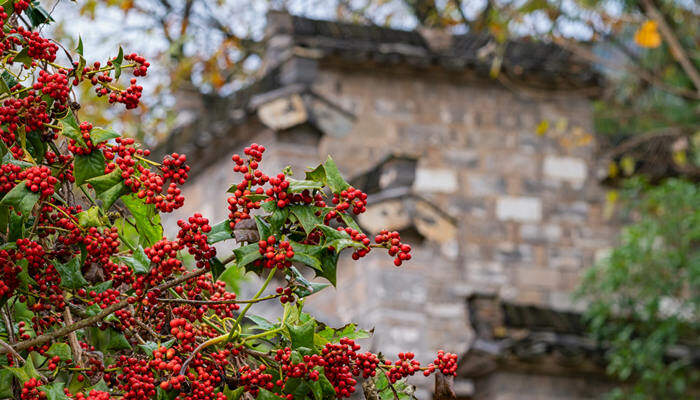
{"x": 489, "y": 176}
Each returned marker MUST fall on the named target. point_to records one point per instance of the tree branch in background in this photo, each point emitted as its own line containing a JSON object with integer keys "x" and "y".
{"x": 677, "y": 50}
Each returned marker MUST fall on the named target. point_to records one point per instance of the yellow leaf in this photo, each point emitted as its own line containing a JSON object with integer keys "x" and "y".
{"x": 648, "y": 35}
{"x": 613, "y": 170}
{"x": 610, "y": 200}
{"x": 542, "y": 127}
{"x": 680, "y": 157}
{"x": 627, "y": 163}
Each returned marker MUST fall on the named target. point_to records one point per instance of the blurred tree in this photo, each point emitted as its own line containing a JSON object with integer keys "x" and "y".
{"x": 645, "y": 296}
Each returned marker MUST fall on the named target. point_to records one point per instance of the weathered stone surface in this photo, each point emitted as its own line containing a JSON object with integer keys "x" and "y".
{"x": 568, "y": 169}
{"x": 435, "y": 180}
{"x": 521, "y": 209}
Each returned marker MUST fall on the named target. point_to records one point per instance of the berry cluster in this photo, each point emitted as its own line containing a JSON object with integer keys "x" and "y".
{"x": 192, "y": 235}
{"x": 31, "y": 390}
{"x": 405, "y": 366}
{"x": 39, "y": 180}
{"x": 254, "y": 379}
{"x": 276, "y": 254}
{"x": 240, "y": 204}
{"x": 286, "y": 295}
{"x": 445, "y": 362}
{"x": 392, "y": 240}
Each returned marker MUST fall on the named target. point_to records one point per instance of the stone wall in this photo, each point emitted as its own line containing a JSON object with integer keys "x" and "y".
{"x": 527, "y": 205}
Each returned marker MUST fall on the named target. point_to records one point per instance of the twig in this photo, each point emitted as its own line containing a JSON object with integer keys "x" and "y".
{"x": 11, "y": 350}
{"x": 204, "y": 302}
{"x": 73, "y": 339}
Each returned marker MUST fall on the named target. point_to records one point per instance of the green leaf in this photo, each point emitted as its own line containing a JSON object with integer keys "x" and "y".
{"x": 5, "y": 384}
{"x": 329, "y": 263}
{"x": 146, "y": 219}
{"x": 79, "y": 49}
{"x": 81, "y": 66}
{"x": 335, "y": 181}
{"x": 109, "y": 187}
{"x": 26, "y": 372}
{"x": 117, "y": 62}
{"x": 264, "y": 230}
{"x": 99, "y": 135}
{"x": 350, "y": 331}
{"x": 37, "y": 14}
{"x": 21, "y": 198}
{"x": 302, "y": 335}
{"x": 278, "y": 218}
{"x": 216, "y": 267}
{"x": 267, "y": 395}
{"x": 306, "y": 215}
{"x": 296, "y": 186}
{"x": 71, "y": 276}
{"x": 148, "y": 348}
{"x": 23, "y": 57}
{"x": 337, "y": 239}
{"x": 90, "y": 217}
{"x": 88, "y": 166}
{"x": 233, "y": 394}
{"x": 71, "y": 129}
{"x": 108, "y": 339}
{"x": 247, "y": 254}
{"x": 350, "y": 222}
{"x": 317, "y": 174}
{"x": 138, "y": 260}
{"x": 308, "y": 259}
{"x": 36, "y": 146}
{"x": 61, "y": 350}
{"x": 220, "y": 232}
{"x": 233, "y": 276}
{"x": 54, "y": 391}
{"x": 261, "y": 322}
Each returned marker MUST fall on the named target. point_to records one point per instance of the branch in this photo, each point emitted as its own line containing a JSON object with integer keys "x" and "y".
{"x": 205, "y": 302}
{"x": 677, "y": 50}
{"x": 84, "y": 323}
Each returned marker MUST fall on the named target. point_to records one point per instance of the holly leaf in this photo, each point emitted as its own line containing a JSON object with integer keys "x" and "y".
{"x": 109, "y": 187}
{"x": 99, "y": 135}
{"x": 88, "y": 166}
{"x": 216, "y": 267}
{"x": 6, "y": 384}
{"x": 25, "y": 372}
{"x": 329, "y": 266}
{"x": 339, "y": 240}
{"x": 23, "y": 57}
{"x": 89, "y": 217}
{"x": 267, "y": 395}
{"x": 233, "y": 394}
{"x": 138, "y": 260}
{"x": 71, "y": 276}
{"x": 261, "y": 323}
{"x": 307, "y": 259}
{"x": 20, "y": 198}
{"x": 247, "y": 254}
{"x": 297, "y": 186}
{"x": 146, "y": 219}
{"x": 220, "y": 232}
{"x": 102, "y": 286}
{"x": 317, "y": 174}
{"x": 350, "y": 331}
{"x": 108, "y": 339}
{"x": 333, "y": 178}
{"x": 306, "y": 215}
{"x": 117, "y": 63}
{"x": 148, "y": 348}
{"x": 264, "y": 230}
{"x": 79, "y": 49}
{"x": 60, "y": 349}
{"x": 278, "y": 218}
{"x": 37, "y": 14}
{"x": 71, "y": 129}
{"x": 302, "y": 335}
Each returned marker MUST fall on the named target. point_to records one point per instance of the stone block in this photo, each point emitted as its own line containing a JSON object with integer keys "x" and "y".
{"x": 435, "y": 180}
{"x": 519, "y": 209}
{"x": 540, "y": 233}
{"x": 485, "y": 184}
{"x": 538, "y": 277}
{"x": 568, "y": 169}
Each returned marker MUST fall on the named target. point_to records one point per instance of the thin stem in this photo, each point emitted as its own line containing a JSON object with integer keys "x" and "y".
{"x": 237, "y": 323}
{"x": 250, "y": 301}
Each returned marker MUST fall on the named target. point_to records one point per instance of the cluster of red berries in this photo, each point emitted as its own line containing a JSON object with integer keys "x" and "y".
{"x": 31, "y": 390}
{"x": 350, "y": 197}
{"x": 130, "y": 97}
{"x": 163, "y": 254}
{"x": 54, "y": 86}
{"x": 183, "y": 330}
{"x": 392, "y": 240}
{"x": 205, "y": 286}
{"x": 240, "y": 205}
{"x": 278, "y": 191}
{"x": 142, "y": 65}
{"x": 338, "y": 359}
{"x": 38, "y": 48}
{"x": 405, "y": 366}
{"x": 193, "y": 235}
{"x": 39, "y": 180}
{"x": 9, "y": 273}
{"x": 304, "y": 368}
{"x": 286, "y": 295}
{"x": 276, "y": 254}
{"x": 359, "y": 237}
{"x": 254, "y": 379}
{"x": 9, "y": 174}
{"x": 136, "y": 380}
{"x": 445, "y": 362}
{"x": 93, "y": 395}
{"x": 75, "y": 148}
